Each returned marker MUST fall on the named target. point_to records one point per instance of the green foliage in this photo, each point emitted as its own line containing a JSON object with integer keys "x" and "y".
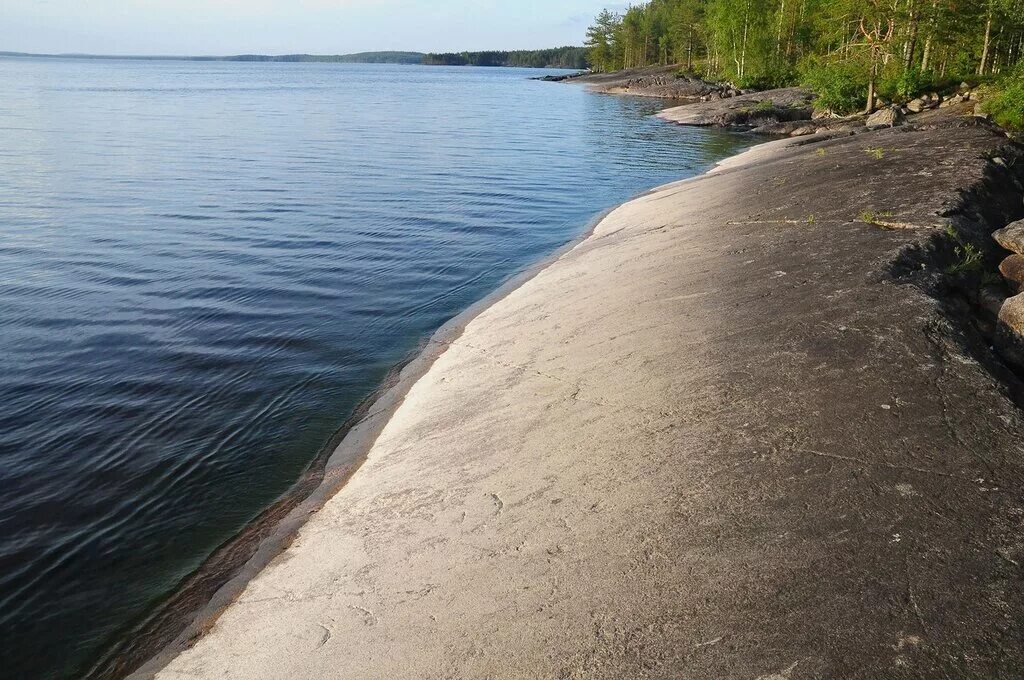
{"x": 968, "y": 259}
{"x": 844, "y": 49}
{"x": 967, "y": 256}
{"x": 559, "y": 57}
{"x": 840, "y": 87}
{"x": 907, "y": 84}
{"x": 1005, "y": 102}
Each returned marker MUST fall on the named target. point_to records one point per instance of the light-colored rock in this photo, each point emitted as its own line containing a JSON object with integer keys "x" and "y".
{"x": 1011, "y": 314}
{"x": 980, "y": 113}
{"x": 1011, "y": 237}
{"x": 803, "y": 131}
{"x": 916, "y": 105}
{"x": 1012, "y": 269}
{"x": 890, "y": 117}
{"x": 1010, "y": 330}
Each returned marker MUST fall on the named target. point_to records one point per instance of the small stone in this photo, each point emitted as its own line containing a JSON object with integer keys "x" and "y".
{"x": 1011, "y": 237}
{"x": 916, "y": 105}
{"x": 1012, "y": 269}
{"x": 890, "y": 117}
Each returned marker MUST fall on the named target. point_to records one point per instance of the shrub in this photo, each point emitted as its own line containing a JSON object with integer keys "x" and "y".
{"x": 905, "y": 84}
{"x": 840, "y": 87}
{"x": 1005, "y": 101}
{"x": 769, "y": 78}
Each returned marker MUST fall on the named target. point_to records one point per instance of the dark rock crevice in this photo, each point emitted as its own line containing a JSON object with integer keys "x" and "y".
{"x": 959, "y": 267}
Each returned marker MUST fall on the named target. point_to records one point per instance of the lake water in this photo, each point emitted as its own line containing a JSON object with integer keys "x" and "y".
{"x": 204, "y": 267}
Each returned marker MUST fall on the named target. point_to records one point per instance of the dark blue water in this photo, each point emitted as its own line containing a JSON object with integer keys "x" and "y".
{"x": 204, "y": 267}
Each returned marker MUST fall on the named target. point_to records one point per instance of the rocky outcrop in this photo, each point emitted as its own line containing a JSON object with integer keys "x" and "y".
{"x": 746, "y": 111}
{"x": 714, "y": 412}
{"x": 887, "y": 117}
{"x": 666, "y": 82}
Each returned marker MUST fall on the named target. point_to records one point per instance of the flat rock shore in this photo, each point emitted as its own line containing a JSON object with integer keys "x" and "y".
{"x": 747, "y": 428}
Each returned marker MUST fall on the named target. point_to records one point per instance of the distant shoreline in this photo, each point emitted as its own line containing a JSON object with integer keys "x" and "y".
{"x": 513, "y": 59}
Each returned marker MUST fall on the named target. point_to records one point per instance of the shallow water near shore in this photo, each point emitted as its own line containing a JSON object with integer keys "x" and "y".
{"x": 206, "y": 266}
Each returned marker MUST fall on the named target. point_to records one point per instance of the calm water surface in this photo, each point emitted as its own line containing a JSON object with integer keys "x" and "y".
{"x": 204, "y": 267}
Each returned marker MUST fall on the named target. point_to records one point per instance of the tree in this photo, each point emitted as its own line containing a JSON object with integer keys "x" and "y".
{"x": 599, "y": 41}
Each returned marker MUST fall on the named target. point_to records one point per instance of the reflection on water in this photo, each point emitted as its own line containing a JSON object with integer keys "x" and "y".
{"x": 205, "y": 266}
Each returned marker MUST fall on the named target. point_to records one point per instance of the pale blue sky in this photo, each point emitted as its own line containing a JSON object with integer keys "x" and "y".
{"x": 285, "y": 26}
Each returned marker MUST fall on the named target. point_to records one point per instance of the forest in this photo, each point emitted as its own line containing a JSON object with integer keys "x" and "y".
{"x": 558, "y": 57}
{"x": 852, "y": 52}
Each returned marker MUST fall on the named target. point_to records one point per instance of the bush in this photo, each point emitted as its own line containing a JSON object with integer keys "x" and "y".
{"x": 768, "y": 79}
{"x": 1005, "y": 101}
{"x": 905, "y": 84}
{"x": 841, "y": 88}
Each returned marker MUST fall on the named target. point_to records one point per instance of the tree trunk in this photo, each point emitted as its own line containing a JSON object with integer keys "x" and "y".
{"x": 870, "y": 106}
{"x": 911, "y": 45}
{"x": 743, "y": 51}
{"x": 988, "y": 38}
{"x": 782, "y": 21}
{"x": 689, "y": 48}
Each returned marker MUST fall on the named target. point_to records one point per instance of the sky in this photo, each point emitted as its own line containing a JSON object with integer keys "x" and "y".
{"x": 218, "y": 27}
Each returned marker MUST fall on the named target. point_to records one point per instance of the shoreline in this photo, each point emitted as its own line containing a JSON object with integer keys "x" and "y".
{"x": 528, "y": 487}
{"x": 273, "y": 530}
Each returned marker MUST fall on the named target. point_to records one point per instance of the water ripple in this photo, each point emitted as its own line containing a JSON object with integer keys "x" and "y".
{"x": 205, "y": 266}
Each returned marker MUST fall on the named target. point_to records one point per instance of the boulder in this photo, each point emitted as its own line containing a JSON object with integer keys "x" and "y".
{"x": 1012, "y": 269}
{"x": 1010, "y": 330}
{"x": 916, "y": 105}
{"x": 890, "y": 117}
{"x": 803, "y": 130}
{"x": 1011, "y": 237}
{"x": 964, "y": 86}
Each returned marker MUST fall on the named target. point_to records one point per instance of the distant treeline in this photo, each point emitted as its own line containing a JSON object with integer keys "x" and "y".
{"x": 558, "y": 57}
{"x": 358, "y": 58}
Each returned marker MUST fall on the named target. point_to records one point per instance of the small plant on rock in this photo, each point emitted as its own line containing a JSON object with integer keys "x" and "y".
{"x": 968, "y": 259}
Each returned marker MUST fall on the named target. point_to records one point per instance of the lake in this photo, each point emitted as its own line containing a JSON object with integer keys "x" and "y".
{"x": 204, "y": 267}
